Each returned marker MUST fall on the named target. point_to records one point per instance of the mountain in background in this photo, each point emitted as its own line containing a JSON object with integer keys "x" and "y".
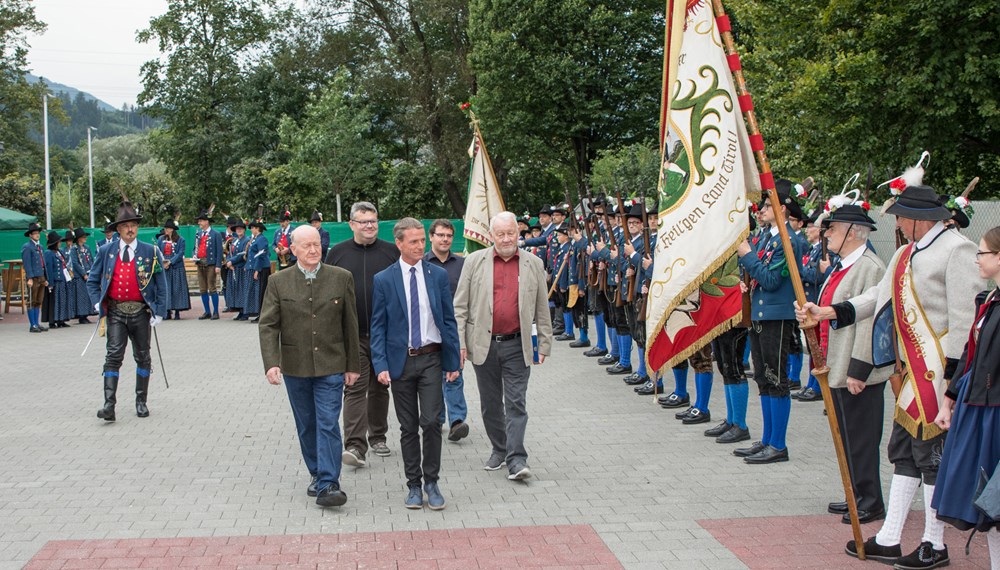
{"x": 55, "y": 88}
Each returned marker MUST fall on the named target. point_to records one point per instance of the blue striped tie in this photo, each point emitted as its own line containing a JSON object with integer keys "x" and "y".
{"x": 415, "y": 341}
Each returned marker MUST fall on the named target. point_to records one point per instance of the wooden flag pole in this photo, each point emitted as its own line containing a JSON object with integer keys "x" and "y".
{"x": 820, "y": 370}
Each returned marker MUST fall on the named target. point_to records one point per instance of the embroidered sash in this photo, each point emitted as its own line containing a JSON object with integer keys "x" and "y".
{"x": 924, "y": 384}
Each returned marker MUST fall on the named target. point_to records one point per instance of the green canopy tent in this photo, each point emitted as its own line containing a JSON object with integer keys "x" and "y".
{"x": 12, "y": 220}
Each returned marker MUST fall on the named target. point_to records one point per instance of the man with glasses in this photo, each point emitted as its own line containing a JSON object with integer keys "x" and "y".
{"x": 366, "y": 403}
{"x": 442, "y": 236}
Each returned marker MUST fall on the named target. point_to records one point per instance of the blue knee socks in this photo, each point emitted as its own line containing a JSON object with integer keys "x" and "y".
{"x": 204, "y": 301}
{"x": 727, "y": 389}
{"x": 616, "y": 346}
{"x": 681, "y": 382}
{"x": 625, "y": 348}
{"x": 32, "y": 319}
{"x": 765, "y": 410}
{"x": 703, "y": 383}
{"x": 641, "y": 370}
{"x": 215, "y": 303}
{"x": 740, "y": 393}
{"x": 795, "y": 367}
{"x": 813, "y": 383}
{"x": 602, "y": 340}
{"x": 781, "y": 409}
{"x": 568, "y": 322}
{"x": 746, "y": 356}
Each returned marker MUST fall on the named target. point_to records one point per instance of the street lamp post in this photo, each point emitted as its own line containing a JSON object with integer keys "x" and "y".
{"x": 69, "y": 190}
{"x": 90, "y": 165}
{"x": 48, "y": 185}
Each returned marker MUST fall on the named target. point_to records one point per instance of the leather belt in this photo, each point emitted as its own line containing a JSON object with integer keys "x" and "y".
{"x": 425, "y": 349}
{"x": 126, "y": 307}
{"x": 503, "y": 337}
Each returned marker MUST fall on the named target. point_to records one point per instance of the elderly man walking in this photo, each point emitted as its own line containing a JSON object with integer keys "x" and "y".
{"x": 309, "y": 333}
{"x": 501, "y": 294}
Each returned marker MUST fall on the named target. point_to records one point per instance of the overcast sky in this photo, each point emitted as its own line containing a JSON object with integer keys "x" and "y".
{"x": 90, "y": 45}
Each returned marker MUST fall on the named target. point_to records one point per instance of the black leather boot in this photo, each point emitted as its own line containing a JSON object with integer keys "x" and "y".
{"x": 141, "y": 391}
{"x": 107, "y": 413}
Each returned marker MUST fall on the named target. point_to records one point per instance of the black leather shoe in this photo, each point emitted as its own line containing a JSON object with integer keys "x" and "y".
{"x": 634, "y": 379}
{"x": 837, "y": 508}
{"x": 579, "y": 344}
{"x": 331, "y": 497}
{"x": 697, "y": 416}
{"x": 34, "y": 330}
{"x": 311, "y": 490}
{"x": 755, "y": 447}
{"x": 925, "y": 556}
{"x": 648, "y": 389}
{"x": 795, "y": 385}
{"x": 619, "y": 369}
{"x": 204, "y": 317}
{"x": 875, "y": 551}
{"x": 684, "y": 414}
{"x": 865, "y": 516}
{"x": 718, "y": 430}
{"x": 810, "y": 395}
{"x": 595, "y": 352}
{"x": 558, "y": 331}
{"x": 767, "y": 455}
{"x": 565, "y": 336}
{"x": 735, "y": 434}
{"x": 795, "y": 395}
{"x": 255, "y": 320}
{"x": 215, "y": 316}
{"x": 607, "y": 359}
{"x": 675, "y": 401}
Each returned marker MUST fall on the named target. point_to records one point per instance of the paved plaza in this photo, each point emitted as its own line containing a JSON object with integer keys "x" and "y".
{"x": 214, "y": 475}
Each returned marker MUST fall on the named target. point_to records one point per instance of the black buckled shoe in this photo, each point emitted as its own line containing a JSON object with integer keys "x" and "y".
{"x": 865, "y": 516}
{"x": 875, "y": 551}
{"x": 755, "y": 447}
{"x": 649, "y": 388}
{"x": 634, "y": 379}
{"x": 925, "y": 556}
{"x": 579, "y": 344}
{"x": 684, "y": 414}
{"x": 810, "y": 395}
{"x": 596, "y": 352}
{"x": 607, "y": 359}
{"x": 718, "y": 430}
{"x": 565, "y": 336}
{"x": 205, "y": 317}
{"x": 675, "y": 401}
{"x": 769, "y": 454}
{"x": 735, "y": 434}
{"x": 837, "y": 508}
{"x": 697, "y": 416}
{"x": 619, "y": 369}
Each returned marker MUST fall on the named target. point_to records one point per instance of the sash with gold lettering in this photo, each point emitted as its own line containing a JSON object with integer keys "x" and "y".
{"x": 924, "y": 384}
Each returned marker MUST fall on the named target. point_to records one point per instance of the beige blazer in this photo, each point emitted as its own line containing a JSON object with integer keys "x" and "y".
{"x": 474, "y": 305}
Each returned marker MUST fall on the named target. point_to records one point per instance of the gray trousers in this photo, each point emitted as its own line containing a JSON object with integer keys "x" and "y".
{"x": 503, "y": 387}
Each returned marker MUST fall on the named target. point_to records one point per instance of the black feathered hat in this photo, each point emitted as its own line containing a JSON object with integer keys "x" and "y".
{"x": 32, "y": 227}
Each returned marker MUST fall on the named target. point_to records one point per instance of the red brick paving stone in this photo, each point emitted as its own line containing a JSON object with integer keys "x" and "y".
{"x": 818, "y": 541}
{"x": 572, "y": 546}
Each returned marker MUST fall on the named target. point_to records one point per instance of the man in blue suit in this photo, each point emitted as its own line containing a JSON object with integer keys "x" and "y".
{"x": 127, "y": 285}
{"x": 414, "y": 337}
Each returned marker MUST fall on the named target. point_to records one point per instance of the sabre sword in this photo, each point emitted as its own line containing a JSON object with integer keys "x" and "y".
{"x": 92, "y": 337}
{"x": 160, "y": 355}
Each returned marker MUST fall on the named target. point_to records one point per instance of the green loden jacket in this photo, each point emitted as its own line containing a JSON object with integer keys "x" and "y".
{"x": 310, "y": 329}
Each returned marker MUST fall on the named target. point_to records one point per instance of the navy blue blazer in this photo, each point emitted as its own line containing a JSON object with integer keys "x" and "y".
{"x": 33, "y": 259}
{"x": 213, "y": 247}
{"x": 772, "y": 295}
{"x": 152, "y": 283}
{"x": 390, "y": 328}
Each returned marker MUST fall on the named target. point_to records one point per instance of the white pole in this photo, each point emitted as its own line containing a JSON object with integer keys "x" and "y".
{"x": 90, "y": 164}
{"x": 338, "y": 208}
{"x": 48, "y": 186}
{"x": 69, "y": 185}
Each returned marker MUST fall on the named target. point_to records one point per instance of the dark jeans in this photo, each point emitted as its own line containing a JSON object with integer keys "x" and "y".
{"x": 366, "y": 407}
{"x": 316, "y": 404}
{"x": 728, "y": 348}
{"x": 770, "y": 343}
{"x": 122, "y": 328}
{"x": 454, "y": 400}
{"x": 860, "y": 418}
{"x": 418, "y": 398}
{"x": 503, "y": 389}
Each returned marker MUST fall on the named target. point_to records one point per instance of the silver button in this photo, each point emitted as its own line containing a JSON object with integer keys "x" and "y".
{"x": 760, "y": 314}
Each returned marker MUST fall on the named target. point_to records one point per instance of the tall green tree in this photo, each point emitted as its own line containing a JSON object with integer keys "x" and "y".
{"x": 207, "y": 46}
{"x": 20, "y": 101}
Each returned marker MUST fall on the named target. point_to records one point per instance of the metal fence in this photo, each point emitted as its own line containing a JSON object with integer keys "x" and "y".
{"x": 987, "y": 216}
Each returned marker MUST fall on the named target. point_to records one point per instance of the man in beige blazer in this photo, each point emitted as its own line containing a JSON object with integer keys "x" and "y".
{"x": 500, "y": 295}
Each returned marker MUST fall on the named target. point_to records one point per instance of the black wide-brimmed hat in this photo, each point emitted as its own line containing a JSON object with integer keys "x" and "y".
{"x": 204, "y": 215}
{"x": 285, "y": 216}
{"x": 561, "y": 208}
{"x": 564, "y": 229}
{"x": 960, "y": 209}
{"x": 32, "y": 227}
{"x": 784, "y": 188}
{"x": 634, "y": 211}
{"x": 53, "y": 240}
{"x": 316, "y": 216}
{"x": 170, "y": 223}
{"x": 919, "y": 203}
{"x": 525, "y": 233}
{"x": 235, "y": 222}
{"x": 599, "y": 200}
{"x": 69, "y": 236}
{"x": 79, "y": 233}
{"x": 126, "y": 213}
{"x": 850, "y": 214}
{"x": 257, "y": 224}
{"x": 545, "y": 211}
{"x": 109, "y": 227}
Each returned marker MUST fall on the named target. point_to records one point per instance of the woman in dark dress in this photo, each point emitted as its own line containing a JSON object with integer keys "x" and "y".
{"x": 172, "y": 246}
{"x": 257, "y": 268}
{"x": 81, "y": 259}
{"x": 62, "y": 299}
{"x": 971, "y": 411}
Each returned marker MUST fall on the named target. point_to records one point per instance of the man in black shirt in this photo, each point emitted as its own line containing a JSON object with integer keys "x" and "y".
{"x": 442, "y": 234}
{"x": 366, "y": 403}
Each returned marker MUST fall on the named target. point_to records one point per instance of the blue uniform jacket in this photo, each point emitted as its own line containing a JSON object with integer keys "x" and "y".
{"x": 32, "y": 258}
{"x": 259, "y": 253}
{"x": 560, "y": 260}
{"x": 772, "y": 294}
{"x": 81, "y": 260}
{"x": 180, "y": 247}
{"x": 152, "y": 284}
{"x": 238, "y": 251}
{"x": 213, "y": 249}
{"x": 390, "y": 328}
{"x": 54, "y": 263}
{"x": 274, "y": 243}
{"x": 324, "y": 241}
{"x": 812, "y": 277}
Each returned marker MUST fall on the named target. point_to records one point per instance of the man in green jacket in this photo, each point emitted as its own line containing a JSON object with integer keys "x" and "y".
{"x": 309, "y": 334}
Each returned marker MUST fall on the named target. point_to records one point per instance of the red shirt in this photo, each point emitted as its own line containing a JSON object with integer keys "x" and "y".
{"x": 506, "y": 316}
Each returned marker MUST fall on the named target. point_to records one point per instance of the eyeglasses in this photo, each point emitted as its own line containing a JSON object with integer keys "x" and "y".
{"x": 444, "y": 236}
{"x": 979, "y": 253}
{"x": 369, "y": 223}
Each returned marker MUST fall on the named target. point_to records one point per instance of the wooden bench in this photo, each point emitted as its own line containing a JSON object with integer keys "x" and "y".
{"x": 14, "y": 285}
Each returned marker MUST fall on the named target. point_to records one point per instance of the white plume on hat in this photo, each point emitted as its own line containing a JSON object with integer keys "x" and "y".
{"x": 912, "y": 176}
{"x": 848, "y": 196}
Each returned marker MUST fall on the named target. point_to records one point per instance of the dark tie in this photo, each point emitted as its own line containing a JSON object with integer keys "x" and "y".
{"x": 837, "y": 266}
{"x": 415, "y": 341}
{"x": 125, "y": 257}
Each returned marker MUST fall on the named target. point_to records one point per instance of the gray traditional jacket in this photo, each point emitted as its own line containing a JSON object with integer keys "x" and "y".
{"x": 849, "y": 352}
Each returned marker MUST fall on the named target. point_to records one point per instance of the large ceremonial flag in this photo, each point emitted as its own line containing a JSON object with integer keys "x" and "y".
{"x": 484, "y": 199}
{"x": 707, "y": 178}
